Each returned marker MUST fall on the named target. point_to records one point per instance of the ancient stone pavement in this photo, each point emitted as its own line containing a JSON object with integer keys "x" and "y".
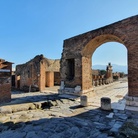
{"x": 49, "y": 115}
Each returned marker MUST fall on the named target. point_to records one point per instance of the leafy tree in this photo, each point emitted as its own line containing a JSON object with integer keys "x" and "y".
{"x": 102, "y": 72}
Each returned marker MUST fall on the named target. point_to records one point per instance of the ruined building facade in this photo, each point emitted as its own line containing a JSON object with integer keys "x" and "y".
{"x": 5, "y": 80}
{"x": 37, "y": 74}
{"x": 77, "y": 54}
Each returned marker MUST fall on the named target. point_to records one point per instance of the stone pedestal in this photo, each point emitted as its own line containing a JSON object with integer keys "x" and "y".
{"x": 77, "y": 89}
{"x": 131, "y": 100}
{"x": 62, "y": 85}
{"x": 84, "y": 100}
{"x": 105, "y": 103}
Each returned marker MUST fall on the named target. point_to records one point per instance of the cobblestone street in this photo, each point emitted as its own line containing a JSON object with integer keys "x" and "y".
{"x": 49, "y": 115}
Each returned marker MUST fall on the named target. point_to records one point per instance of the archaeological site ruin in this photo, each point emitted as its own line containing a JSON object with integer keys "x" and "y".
{"x": 76, "y": 61}
{"x": 101, "y": 79}
{"x": 37, "y": 74}
{"x": 5, "y": 80}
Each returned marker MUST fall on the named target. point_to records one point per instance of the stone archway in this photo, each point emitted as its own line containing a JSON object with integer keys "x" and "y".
{"x": 78, "y": 50}
{"x": 87, "y": 53}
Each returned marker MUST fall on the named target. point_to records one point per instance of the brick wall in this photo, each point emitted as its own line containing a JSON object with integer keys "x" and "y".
{"x": 5, "y": 87}
{"x": 5, "y": 92}
{"x": 49, "y": 79}
{"x": 81, "y": 48}
{"x": 34, "y": 71}
{"x": 5, "y": 81}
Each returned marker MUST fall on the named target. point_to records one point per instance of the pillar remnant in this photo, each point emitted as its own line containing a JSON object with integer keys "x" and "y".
{"x": 105, "y": 103}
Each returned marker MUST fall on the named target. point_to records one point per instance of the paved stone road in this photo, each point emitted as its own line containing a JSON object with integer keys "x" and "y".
{"x": 49, "y": 115}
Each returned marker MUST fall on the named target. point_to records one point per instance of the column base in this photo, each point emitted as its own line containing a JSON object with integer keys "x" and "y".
{"x": 71, "y": 91}
{"x": 131, "y": 101}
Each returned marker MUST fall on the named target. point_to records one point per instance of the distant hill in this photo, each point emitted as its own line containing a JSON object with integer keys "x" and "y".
{"x": 116, "y": 68}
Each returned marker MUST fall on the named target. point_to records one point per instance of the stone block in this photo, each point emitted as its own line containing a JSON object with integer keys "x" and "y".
{"x": 135, "y": 99}
{"x": 105, "y": 103}
{"x": 84, "y": 100}
{"x": 62, "y": 85}
{"x": 77, "y": 89}
{"x": 129, "y": 98}
{"x": 110, "y": 115}
{"x": 131, "y": 101}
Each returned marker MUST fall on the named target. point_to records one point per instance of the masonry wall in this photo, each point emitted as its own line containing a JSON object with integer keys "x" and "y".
{"x": 49, "y": 79}
{"x": 28, "y": 74}
{"x": 5, "y": 81}
{"x": 5, "y": 87}
{"x": 33, "y": 72}
{"x": 56, "y": 78}
{"x": 82, "y": 47}
{"x": 5, "y": 92}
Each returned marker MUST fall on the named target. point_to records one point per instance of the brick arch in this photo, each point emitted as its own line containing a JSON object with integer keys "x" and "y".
{"x": 79, "y": 49}
{"x": 96, "y": 42}
{"x": 87, "y": 53}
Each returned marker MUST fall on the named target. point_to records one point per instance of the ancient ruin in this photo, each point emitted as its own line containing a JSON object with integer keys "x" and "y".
{"x": 76, "y": 59}
{"x": 37, "y": 74}
{"x": 101, "y": 79}
{"x": 5, "y": 80}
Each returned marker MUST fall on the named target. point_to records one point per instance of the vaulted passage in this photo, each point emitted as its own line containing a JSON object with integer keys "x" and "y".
{"x": 81, "y": 48}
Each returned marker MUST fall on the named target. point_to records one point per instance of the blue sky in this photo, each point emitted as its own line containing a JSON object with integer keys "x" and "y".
{"x": 32, "y": 27}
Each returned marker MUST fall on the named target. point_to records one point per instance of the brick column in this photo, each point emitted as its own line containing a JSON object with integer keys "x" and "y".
{"x": 86, "y": 73}
{"x": 49, "y": 79}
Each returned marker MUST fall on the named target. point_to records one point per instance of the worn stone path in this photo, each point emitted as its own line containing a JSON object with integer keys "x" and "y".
{"x": 49, "y": 115}
{"x": 115, "y": 91}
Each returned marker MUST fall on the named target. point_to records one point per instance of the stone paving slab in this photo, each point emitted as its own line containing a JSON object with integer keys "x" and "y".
{"x": 119, "y": 105}
{"x": 63, "y": 117}
{"x": 132, "y": 108}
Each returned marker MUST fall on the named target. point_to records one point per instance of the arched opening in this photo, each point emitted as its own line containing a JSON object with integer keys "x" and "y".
{"x": 100, "y": 80}
{"x": 109, "y": 63}
{"x": 88, "y": 52}
{"x": 109, "y": 72}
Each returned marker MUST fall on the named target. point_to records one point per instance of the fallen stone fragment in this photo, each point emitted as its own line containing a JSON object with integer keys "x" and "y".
{"x": 110, "y": 115}
{"x": 4, "y": 119}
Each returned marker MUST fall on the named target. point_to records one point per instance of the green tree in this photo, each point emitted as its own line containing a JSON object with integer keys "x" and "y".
{"x": 102, "y": 72}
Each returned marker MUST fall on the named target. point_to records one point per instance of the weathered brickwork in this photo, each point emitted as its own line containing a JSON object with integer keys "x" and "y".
{"x": 5, "y": 81}
{"x": 5, "y": 92}
{"x": 81, "y": 48}
{"x": 38, "y": 72}
{"x": 49, "y": 79}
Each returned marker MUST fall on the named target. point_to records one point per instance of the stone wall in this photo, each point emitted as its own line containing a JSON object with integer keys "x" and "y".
{"x": 5, "y": 87}
{"x": 56, "y": 78}
{"x": 34, "y": 73}
{"x": 81, "y": 48}
{"x": 5, "y": 81}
